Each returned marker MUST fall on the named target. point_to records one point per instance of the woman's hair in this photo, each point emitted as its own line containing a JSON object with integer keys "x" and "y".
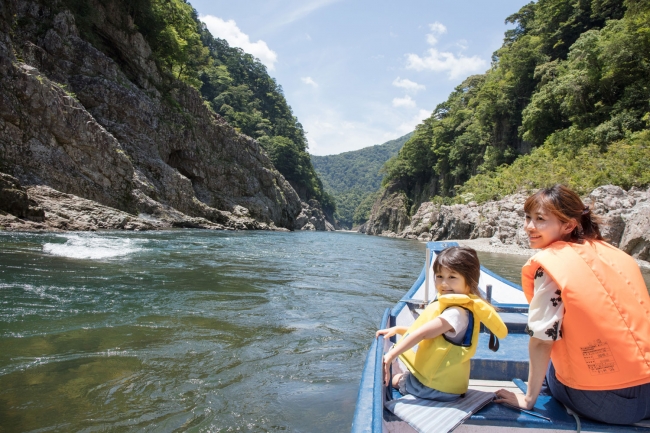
{"x": 566, "y": 205}
{"x": 463, "y": 260}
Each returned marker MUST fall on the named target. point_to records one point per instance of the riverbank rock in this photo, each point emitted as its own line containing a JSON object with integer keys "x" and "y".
{"x": 389, "y": 214}
{"x": 15, "y": 201}
{"x": 625, "y": 220}
{"x": 52, "y": 210}
{"x": 106, "y": 129}
{"x": 313, "y": 218}
{"x": 500, "y": 220}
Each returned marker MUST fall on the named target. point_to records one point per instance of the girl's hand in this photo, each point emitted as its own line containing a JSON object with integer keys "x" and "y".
{"x": 388, "y": 360}
{"x": 517, "y": 400}
{"x": 387, "y": 333}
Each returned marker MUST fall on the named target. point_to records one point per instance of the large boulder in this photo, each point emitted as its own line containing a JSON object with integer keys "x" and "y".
{"x": 389, "y": 214}
{"x": 312, "y": 218}
{"x": 15, "y": 201}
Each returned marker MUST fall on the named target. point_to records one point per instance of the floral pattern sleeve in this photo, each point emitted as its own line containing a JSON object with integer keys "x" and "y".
{"x": 546, "y": 309}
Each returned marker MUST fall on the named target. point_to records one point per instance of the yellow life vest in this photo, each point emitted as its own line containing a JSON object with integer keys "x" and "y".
{"x": 440, "y": 364}
{"x": 606, "y": 326}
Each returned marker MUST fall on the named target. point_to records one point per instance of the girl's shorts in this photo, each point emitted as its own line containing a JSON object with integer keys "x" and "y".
{"x": 409, "y": 384}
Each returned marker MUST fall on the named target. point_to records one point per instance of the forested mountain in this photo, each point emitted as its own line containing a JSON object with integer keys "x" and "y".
{"x": 234, "y": 83}
{"x": 566, "y": 100}
{"x": 353, "y": 177}
{"x": 133, "y": 106}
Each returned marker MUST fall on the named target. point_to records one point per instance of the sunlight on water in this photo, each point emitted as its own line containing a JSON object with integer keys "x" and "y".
{"x": 91, "y": 246}
{"x": 193, "y": 330}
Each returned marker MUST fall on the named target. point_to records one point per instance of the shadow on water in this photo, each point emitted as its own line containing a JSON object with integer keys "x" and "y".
{"x": 194, "y": 330}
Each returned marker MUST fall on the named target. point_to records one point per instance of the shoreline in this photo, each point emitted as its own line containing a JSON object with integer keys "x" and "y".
{"x": 489, "y": 245}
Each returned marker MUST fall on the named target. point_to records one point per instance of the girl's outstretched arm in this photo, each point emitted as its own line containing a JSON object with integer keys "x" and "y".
{"x": 431, "y": 329}
{"x": 389, "y": 332}
{"x": 540, "y": 354}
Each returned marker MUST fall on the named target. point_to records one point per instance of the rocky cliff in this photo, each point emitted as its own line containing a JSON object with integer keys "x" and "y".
{"x": 104, "y": 128}
{"x": 625, "y": 217}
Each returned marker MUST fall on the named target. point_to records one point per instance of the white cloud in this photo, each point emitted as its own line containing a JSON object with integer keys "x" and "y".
{"x": 408, "y": 85}
{"x": 431, "y": 39}
{"x": 409, "y": 125}
{"x": 438, "y": 28}
{"x": 309, "y": 80}
{"x": 229, "y": 31}
{"x": 437, "y": 61}
{"x": 328, "y": 133}
{"x": 406, "y": 101}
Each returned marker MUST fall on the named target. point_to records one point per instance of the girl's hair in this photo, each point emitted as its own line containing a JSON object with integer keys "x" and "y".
{"x": 566, "y": 205}
{"x": 463, "y": 260}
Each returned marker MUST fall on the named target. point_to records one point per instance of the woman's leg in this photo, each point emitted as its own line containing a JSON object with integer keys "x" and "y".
{"x": 620, "y": 406}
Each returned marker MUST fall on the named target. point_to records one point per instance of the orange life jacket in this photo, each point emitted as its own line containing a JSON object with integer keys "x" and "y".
{"x": 606, "y": 327}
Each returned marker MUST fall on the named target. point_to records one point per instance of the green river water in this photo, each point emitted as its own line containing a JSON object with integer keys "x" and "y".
{"x": 192, "y": 330}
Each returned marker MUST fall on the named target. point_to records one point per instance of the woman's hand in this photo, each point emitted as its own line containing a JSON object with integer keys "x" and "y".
{"x": 517, "y": 400}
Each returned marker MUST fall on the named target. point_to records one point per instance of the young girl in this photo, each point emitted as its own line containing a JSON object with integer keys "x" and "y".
{"x": 435, "y": 351}
{"x": 589, "y": 313}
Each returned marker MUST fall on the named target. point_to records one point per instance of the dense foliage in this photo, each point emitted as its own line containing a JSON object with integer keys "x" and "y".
{"x": 234, "y": 84}
{"x": 624, "y": 163}
{"x": 351, "y": 177}
{"x": 571, "y": 83}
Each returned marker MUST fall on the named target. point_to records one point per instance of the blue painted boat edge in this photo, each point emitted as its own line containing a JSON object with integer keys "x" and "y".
{"x": 378, "y": 386}
{"x": 362, "y": 420}
{"x": 440, "y": 245}
{"x": 368, "y": 417}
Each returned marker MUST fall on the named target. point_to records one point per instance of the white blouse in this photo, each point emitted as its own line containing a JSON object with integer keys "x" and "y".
{"x": 546, "y": 309}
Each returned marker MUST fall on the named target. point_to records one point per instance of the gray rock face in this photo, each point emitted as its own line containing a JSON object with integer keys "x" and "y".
{"x": 501, "y": 220}
{"x": 71, "y": 119}
{"x": 50, "y": 210}
{"x": 624, "y": 216}
{"x": 312, "y": 218}
{"x": 389, "y": 214}
{"x": 15, "y": 201}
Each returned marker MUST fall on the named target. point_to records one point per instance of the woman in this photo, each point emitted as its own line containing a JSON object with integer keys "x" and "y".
{"x": 589, "y": 314}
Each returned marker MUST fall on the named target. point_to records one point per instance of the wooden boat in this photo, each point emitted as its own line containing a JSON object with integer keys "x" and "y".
{"x": 490, "y": 371}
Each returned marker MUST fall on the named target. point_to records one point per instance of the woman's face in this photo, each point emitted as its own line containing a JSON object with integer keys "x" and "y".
{"x": 544, "y": 228}
{"x": 450, "y": 282}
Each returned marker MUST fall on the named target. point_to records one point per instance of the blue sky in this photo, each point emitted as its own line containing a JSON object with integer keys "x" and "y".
{"x": 356, "y": 72}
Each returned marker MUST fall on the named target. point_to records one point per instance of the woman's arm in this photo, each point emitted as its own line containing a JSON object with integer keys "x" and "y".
{"x": 539, "y": 353}
{"x": 432, "y": 329}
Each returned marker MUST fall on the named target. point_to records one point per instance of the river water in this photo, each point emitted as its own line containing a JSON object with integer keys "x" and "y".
{"x": 194, "y": 330}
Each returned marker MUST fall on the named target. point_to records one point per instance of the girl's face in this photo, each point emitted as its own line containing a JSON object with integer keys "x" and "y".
{"x": 544, "y": 228}
{"x": 449, "y": 282}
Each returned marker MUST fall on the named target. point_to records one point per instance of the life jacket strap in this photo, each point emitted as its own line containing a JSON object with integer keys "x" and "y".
{"x": 494, "y": 342}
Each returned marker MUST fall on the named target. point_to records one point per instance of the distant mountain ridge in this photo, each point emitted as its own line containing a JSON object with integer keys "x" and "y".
{"x": 352, "y": 177}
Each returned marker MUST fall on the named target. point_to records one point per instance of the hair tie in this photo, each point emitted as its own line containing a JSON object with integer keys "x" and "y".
{"x": 586, "y": 210}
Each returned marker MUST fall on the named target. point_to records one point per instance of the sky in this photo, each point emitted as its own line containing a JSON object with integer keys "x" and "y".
{"x": 356, "y": 72}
